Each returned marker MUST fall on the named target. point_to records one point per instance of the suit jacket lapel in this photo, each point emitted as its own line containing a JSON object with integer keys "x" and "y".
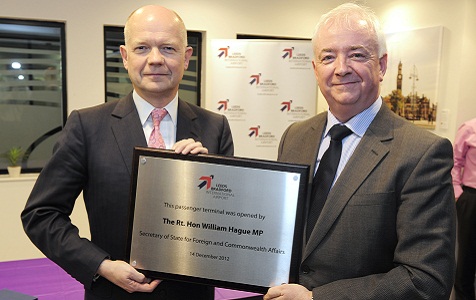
{"x": 309, "y": 141}
{"x": 128, "y": 132}
{"x": 370, "y": 151}
{"x": 315, "y": 134}
{"x": 127, "y": 129}
{"x": 186, "y": 125}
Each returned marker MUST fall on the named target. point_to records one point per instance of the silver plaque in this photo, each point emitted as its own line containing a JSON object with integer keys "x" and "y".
{"x": 229, "y": 222}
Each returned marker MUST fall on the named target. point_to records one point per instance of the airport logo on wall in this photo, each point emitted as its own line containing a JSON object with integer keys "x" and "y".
{"x": 232, "y": 111}
{"x": 297, "y": 59}
{"x": 288, "y": 52}
{"x": 254, "y": 131}
{"x": 232, "y": 58}
{"x": 223, "y": 52}
{"x": 255, "y": 79}
{"x": 294, "y": 112}
{"x": 223, "y": 104}
{"x": 264, "y": 86}
{"x": 263, "y": 138}
{"x": 286, "y": 105}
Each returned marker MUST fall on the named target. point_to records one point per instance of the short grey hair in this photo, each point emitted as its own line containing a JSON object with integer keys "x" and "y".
{"x": 344, "y": 14}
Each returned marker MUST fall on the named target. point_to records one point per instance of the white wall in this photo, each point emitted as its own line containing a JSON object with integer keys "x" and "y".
{"x": 14, "y": 242}
{"x": 223, "y": 20}
{"x": 465, "y": 106}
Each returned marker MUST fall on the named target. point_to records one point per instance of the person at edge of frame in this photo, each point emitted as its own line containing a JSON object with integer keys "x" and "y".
{"x": 387, "y": 228}
{"x": 94, "y": 156}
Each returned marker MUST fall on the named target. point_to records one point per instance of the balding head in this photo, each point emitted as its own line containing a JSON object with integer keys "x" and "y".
{"x": 155, "y": 54}
{"x": 151, "y": 14}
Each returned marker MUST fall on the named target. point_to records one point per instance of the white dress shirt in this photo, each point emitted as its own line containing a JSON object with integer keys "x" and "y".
{"x": 358, "y": 124}
{"x": 168, "y": 125}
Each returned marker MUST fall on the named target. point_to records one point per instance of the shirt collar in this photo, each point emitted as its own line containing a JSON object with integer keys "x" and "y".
{"x": 358, "y": 123}
{"x": 144, "y": 108}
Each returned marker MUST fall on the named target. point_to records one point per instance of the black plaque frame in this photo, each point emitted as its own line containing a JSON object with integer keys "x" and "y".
{"x": 297, "y": 241}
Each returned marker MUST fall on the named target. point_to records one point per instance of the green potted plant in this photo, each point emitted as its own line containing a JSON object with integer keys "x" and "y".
{"x": 14, "y": 156}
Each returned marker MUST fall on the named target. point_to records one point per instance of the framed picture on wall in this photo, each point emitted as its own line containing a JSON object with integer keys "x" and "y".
{"x": 410, "y": 87}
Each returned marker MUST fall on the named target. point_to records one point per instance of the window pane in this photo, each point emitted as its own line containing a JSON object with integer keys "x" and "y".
{"x": 32, "y": 93}
{"x": 117, "y": 81}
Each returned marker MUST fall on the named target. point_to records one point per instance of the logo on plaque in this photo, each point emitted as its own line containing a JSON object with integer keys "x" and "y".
{"x": 206, "y": 181}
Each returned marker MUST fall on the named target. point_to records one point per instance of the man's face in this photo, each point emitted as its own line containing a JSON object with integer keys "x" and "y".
{"x": 348, "y": 69}
{"x": 155, "y": 58}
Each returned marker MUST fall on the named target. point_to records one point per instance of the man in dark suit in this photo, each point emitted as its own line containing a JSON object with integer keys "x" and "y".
{"x": 387, "y": 226}
{"x": 94, "y": 155}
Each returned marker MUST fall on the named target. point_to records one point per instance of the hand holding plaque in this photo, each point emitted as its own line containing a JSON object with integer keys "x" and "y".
{"x": 216, "y": 220}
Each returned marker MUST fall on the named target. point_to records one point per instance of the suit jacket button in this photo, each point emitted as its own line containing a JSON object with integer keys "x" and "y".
{"x": 305, "y": 269}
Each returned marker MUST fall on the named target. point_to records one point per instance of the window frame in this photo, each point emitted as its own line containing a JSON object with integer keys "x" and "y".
{"x": 61, "y": 26}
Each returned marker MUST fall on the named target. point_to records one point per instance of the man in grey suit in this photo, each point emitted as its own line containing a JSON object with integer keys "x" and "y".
{"x": 94, "y": 155}
{"x": 387, "y": 228}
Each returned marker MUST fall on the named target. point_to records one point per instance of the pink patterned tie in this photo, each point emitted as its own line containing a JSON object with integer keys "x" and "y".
{"x": 155, "y": 139}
